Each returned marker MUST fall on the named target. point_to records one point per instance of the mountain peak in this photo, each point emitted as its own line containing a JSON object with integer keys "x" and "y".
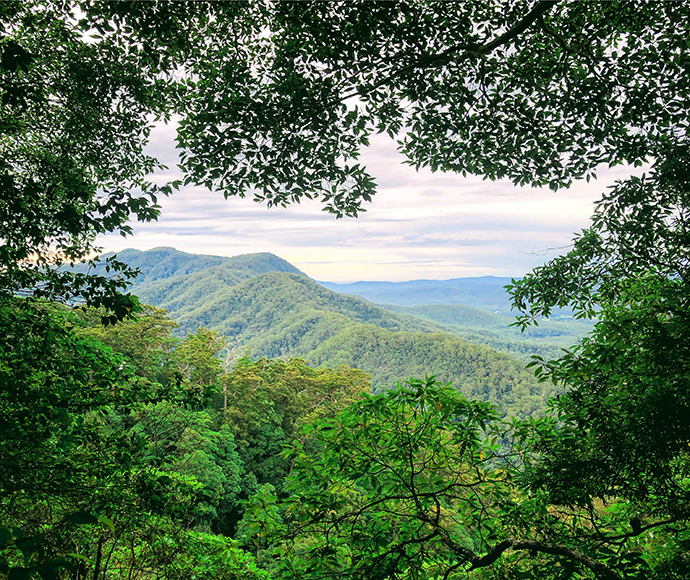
{"x": 166, "y": 262}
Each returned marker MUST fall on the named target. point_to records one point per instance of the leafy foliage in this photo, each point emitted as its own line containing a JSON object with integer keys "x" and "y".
{"x": 625, "y": 409}
{"x": 414, "y": 483}
{"x": 266, "y": 402}
{"x": 197, "y": 359}
{"x": 194, "y": 444}
{"x": 65, "y": 465}
{"x": 371, "y": 501}
{"x": 276, "y": 99}
{"x": 144, "y": 340}
{"x": 540, "y": 93}
{"x": 55, "y": 390}
{"x": 74, "y": 125}
{"x": 108, "y": 472}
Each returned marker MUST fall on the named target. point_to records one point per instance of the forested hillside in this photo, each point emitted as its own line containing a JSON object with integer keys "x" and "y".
{"x": 477, "y": 371}
{"x": 499, "y": 331}
{"x": 280, "y": 314}
{"x": 260, "y": 302}
{"x": 165, "y": 263}
{"x": 129, "y": 453}
{"x": 269, "y": 308}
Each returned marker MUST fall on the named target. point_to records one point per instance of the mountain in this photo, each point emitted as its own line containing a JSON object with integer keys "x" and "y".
{"x": 167, "y": 263}
{"x": 266, "y": 304}
{"x": 485, "y": 292}
{"x": 266, "y": 307}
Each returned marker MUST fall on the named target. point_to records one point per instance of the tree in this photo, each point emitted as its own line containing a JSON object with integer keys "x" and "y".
{"x": 145, "y": 339}
{"x": 277, "y": 99}
{"x": 191, "y": 443}
{"x": 626, "y": 409}
{"x": 64, "y": 465}
{"x": 414, "y": 483}
{"x": 539, "y": 92}
{"x": 625, "y": 413}
{"x": 74, "y": 126}
{"x": 50, "y": 380}
{"x": 270, "y": 401}
{"x": 80, "y": 83}
{"x": 104, "y": 470}
{"x": 196, "y": 357}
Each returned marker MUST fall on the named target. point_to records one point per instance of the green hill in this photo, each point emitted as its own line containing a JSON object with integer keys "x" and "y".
{"x": 480, "y": 326}
{"x": 478, "y": 371}
{"x": 273, "y": 308}
{"x": 268, "y": 308}
{"x": 165, "y": 263}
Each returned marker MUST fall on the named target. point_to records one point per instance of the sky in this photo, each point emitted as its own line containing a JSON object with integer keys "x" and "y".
{"x": 419, "y": 224}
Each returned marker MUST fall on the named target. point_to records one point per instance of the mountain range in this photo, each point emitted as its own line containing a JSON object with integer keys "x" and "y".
{"x": 485, "y": 292}
{"x": 268, "y": 308}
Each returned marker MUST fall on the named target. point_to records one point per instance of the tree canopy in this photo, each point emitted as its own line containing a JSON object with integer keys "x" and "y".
{"x": 276, "y": 100}
{"x": 415, "y": 484}
{"x": 541, "y": 93}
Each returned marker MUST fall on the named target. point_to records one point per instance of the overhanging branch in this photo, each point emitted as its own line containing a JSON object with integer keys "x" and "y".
{"x": 601, "y": 570}
{"x": 463, "y": 51}
{"x": 466, "y": 554}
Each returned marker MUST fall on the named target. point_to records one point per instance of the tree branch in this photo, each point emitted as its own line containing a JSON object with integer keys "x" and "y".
{"x": 539, "y": 8}
{"x": 636, "y": 532}
{"x": 601, "y": 570}
{"x": 537, "y": 11}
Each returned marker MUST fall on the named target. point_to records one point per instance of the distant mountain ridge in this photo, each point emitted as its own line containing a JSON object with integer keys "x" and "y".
{"x": 264, "y": 301}
{"x": 484, "y": 292}
{"x": 165, "y": 262}
{"x": 267, "y": 307}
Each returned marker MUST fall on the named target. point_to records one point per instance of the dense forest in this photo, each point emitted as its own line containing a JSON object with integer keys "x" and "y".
{"x": 128, "y": 450}
{"x": 283, "y": 314}
{"x": 139, "y": 457}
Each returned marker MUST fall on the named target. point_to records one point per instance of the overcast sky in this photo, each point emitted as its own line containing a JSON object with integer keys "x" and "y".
{"x": 419, "y": 225}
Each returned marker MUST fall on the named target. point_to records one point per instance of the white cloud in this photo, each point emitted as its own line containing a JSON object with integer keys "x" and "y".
{"x": 420, "y": 224}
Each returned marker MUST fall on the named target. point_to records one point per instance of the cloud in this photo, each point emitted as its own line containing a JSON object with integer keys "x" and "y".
{"x": 419, "y": 225}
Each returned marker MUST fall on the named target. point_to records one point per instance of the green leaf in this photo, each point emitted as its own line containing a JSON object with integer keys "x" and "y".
{"x": 107, "y": 522}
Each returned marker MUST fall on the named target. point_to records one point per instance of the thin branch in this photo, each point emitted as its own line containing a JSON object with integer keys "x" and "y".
{"x": 601, "y": 570}
{"x": 466, "y": 51}
{"x": 642, "y": 529}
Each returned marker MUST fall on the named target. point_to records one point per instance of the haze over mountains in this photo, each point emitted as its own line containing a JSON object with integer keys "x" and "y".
{"x": 268, "y": 308}
{"x": 485, "y": 292}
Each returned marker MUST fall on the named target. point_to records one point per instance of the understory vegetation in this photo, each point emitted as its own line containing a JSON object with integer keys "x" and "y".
{"x": 129, "y": 452}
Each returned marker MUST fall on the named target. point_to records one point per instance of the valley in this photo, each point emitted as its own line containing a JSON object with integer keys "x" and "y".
{"x": 267, "y": 308}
